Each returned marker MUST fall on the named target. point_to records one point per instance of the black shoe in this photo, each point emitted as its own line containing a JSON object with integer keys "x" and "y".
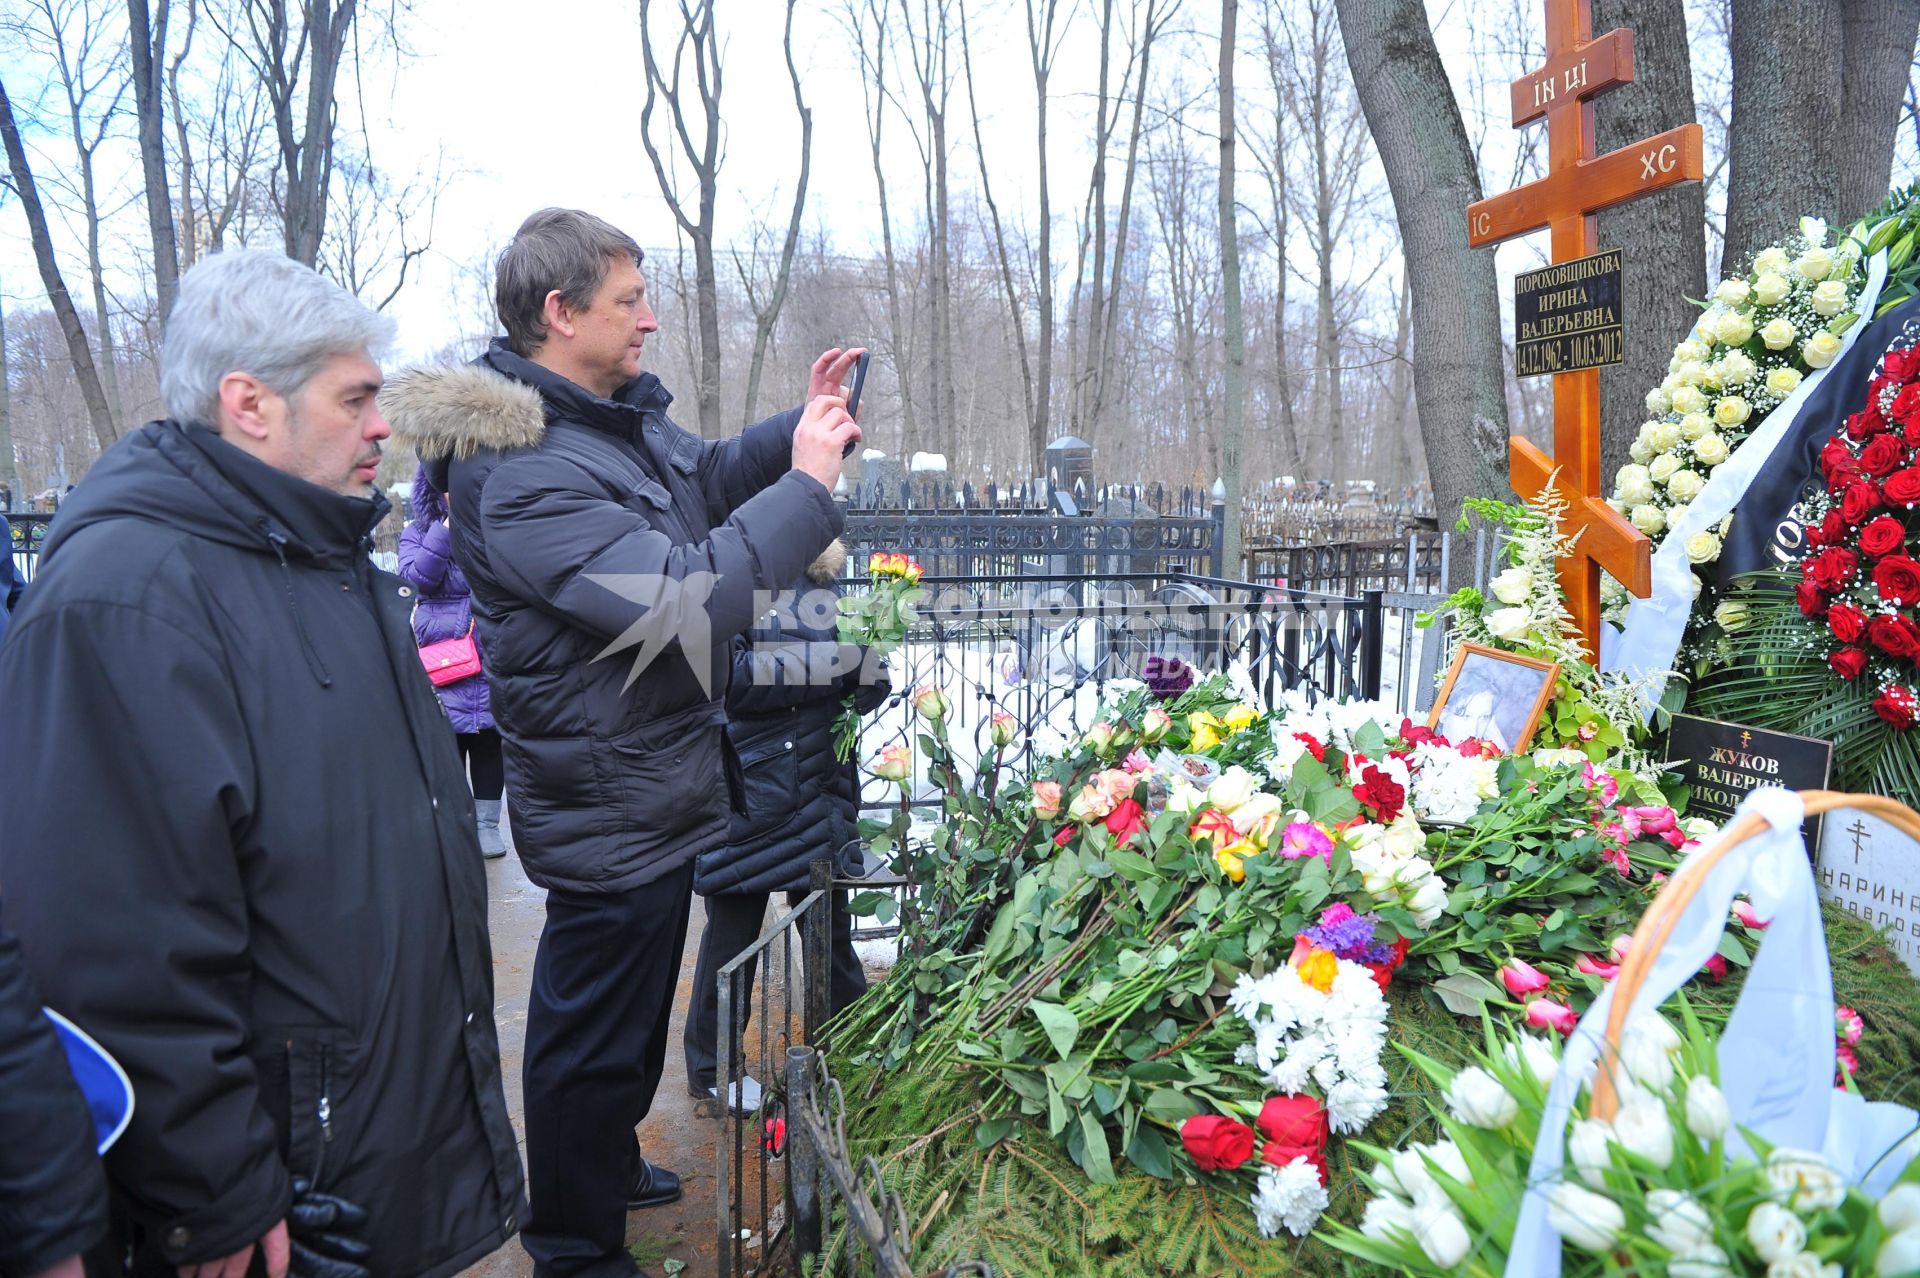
{"x": 652, "y": 1187}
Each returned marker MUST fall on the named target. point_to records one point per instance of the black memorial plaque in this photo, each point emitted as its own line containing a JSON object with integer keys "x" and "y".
{"x": 1566, "y": 317}
{"x": 1721, "y": 762}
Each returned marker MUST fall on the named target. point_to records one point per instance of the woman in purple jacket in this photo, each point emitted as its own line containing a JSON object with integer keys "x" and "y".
{"x": 444, "y": 611}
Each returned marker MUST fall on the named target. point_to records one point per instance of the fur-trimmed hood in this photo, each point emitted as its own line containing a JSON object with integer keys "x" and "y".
{"x": 457, "y": 410}
{"x": 826, "y": 569}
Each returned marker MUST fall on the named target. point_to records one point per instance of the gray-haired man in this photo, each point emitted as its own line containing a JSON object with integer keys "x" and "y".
{"x": 239, "y": 849}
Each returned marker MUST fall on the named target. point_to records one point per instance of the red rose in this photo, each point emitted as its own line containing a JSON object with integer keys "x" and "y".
{"x": 1893, "y": 636}
{"x": 1314, "y": 748}
{"x": 1906, "y": 404}
{"x": 1910, "y": 433}
{"x": 1831, "y": 569}
{"x": 1836, "y": 462}
{"x": 1883, "y": 536}
{"x": 1858, "y": 500}
{"x": 1848, "y": 663}
{"x": 1381, "y": 794}
{"x": 1903, "y": 487}
{"x": 1882, "y": 455}
{"x": 1812, "y": 602}
{"x": 1293, "y": 1120}
{"x": 1126, "y": 820}
{"x": 1063, "y": 836}
{"x": 1848, "y": 622}
{"x": 1215, "y": 1143}
{"x": 1896, "y": 706}
{"x": 1898, "y": 579}
{"x": 1833, "y": 529}
{"x": 1281, "y": 1155}
{"x": 1901, "y": 365}
{"x": 1866, "y": 423}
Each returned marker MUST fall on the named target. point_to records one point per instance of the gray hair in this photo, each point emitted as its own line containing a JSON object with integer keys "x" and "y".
{"x": 259, "y": 312}
{"x": 561, "y": 250}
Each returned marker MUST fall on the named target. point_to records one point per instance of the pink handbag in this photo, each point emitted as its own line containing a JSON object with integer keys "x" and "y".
{"x": 451, "y": 660}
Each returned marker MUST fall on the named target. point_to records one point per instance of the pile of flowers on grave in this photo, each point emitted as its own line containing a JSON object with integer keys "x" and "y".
{"x": 1761, "y": 333}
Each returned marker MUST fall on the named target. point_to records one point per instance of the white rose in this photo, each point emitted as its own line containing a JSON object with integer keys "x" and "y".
{"x": 1819, "y": 350}
{"x": 1703, "y": 548}
{"x": 1698, "y": 586}
{"x": 1899, "y": 1254}
{"x": 1900, "y": 1209}
{"x": 1779, "y": 333}
{"x": 1772, "y": 260}
{"x": 1731, "y": 615}
{"x": 1775, "y": 1232}
{"x": 1634, "y": 484}
{"x": 1814, "y": 264}
{"x": 1734, "y": 328}
{"x": 1733, "y": 292}
{"x": 1684, "y": 486}
{"x": 1510, "y": 623}
{"x": 1668, "y": 437}
{"x": 1641, "y": 1127}
{"x": 1648, "y": 519}
{"x": 1429, "y": 903}
{"x": 1441, "y": 1233}
{"x": 1732, "y": 411}
{"x": 1736, "y": 368}
{"x": 1688, "y": 352}
{"x": 1677, "y": 512}
{"x": 1387, "y": 1220}
{"x": 1680, "y": 1223}
{"x": 1657, "y": 401}
{"x": 1688, "y": 399}
{"x": 1235, "y": 786}
{"x": 1829, "y": 298}
{"x": 1587, "y": 1144}
{"x": 1803, "y": 1180}
{"x": 1783, "y": 381}
{"x": 1711, "y": 449}
{"x": 1588, "y": 1220}
{"x": 1662, "y": 468}
{"x": 1640, "y": 450}
{"x": 1771, "y": 289}
{"x": 1512, "y": 586}
{"x": 1478, "y": 1099}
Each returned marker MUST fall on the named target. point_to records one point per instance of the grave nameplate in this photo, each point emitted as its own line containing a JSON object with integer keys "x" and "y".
{"x": 1721, "y": 762}
{"x": 1872, "y": 871}
{"x": 1566, "y": 317}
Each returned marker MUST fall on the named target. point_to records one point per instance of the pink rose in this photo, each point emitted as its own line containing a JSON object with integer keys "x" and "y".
{"x": 1544, "y": 1013}
{"x": 1594, "y": 967}
{"x": 1046, "y": 799}
{"x": 1521, "y": 977}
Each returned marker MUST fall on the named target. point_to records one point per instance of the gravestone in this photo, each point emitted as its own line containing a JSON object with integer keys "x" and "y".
{"x": 1070, "y": 472}
{"x": 881, "y": 477}
{"x": 1720, "y": 762}
{"x": 1872, "y": 871}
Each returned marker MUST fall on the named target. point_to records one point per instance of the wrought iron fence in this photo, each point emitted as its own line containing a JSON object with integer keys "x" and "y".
{"x": 24, "y": 535}
{"x": 1016, "y": 542}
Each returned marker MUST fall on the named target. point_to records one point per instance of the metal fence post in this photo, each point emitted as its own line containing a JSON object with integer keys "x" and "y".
{"x": 1219, "y": 568}
{"x": 1373, "y": 641}
{"x": 816, "y": 942}
{"x": 804, "y": 1203}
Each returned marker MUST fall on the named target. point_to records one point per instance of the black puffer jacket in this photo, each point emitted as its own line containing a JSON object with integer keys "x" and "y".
{"x": 790, "y": 684}
{"x": 239, "y": 850}
{"x": 53, "y": 1197}
{"x": 613, "y": 558}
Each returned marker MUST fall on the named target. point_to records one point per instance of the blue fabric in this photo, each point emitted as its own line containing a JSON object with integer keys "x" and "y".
{"x": 109, "y": 1098}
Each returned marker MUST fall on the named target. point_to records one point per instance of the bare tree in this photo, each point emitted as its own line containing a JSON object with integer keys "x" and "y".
{"x": 220, "y": 137}
{"x": 1044, "y": 34}
{"x": 1273, "y": 160}
{"x": 698, "y": 41}
{"x": 767, "y": 312}
{"x": 9, "y": 475}
{"x": 927, "y": 56}
{"x": 377, "y": 233}
{"x": 147, "y": 44}
{"x": 1234, "y": 335}
{"x": 105, "y": 428}
{"x": 862, "y": 17}
{"x": 1457, "y": 349}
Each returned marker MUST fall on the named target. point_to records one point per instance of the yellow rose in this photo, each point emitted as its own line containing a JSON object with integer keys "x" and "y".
{"x": 1783, "y": 381}
{"x": 1820, "y": 349}
{"x": 1732, "y": 411}
{"x": 1232, "y": 858}
{"x": 1734, "y": 327}
{"x": 1703, "y": 548}
{"x": 1779, "y": 333}
{"x": 1688, "y": 399}
{"x": 1240, "y": 718}
{"x": 1830, "y": 298}
{"x": 1205, "y": 729}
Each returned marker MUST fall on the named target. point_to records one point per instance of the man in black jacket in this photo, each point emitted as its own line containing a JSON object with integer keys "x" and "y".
{"x": 239, "y": 848}
{"x": 613, "y": 556}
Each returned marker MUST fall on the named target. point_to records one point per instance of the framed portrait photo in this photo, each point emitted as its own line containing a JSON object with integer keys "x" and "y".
{"x": 1493, "y": 696}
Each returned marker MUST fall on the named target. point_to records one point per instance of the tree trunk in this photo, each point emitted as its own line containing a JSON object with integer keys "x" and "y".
{"x": 1400, "y": 393}
{"x": 1664, "y": 233}
{"x": 766, "y": 318}
{"x": 1040, "y": 42}
{"x": 876, "y": 110}
{"x": 1788, "y": 68}
{"x": 147, "y": 40}
{"x": 1458, "y": 355}
{"x": 9, "y": 476}
{"x": 1879, "y": 38}
{"x": 1234, "y": 333}
{"x": 105, "y": 429}
{"x": 1110, "y": 330}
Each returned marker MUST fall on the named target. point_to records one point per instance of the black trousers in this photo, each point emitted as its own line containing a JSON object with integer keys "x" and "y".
{"x": 486, "y": 770}
{"x": 603, "y": 986}
{"x": 733, "y": 922}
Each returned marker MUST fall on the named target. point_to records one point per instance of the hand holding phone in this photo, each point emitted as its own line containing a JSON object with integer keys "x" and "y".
{"x": 858, "y": 382}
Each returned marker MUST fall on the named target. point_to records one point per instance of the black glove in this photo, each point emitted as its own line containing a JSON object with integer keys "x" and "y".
{"x": 319, "y": 1228}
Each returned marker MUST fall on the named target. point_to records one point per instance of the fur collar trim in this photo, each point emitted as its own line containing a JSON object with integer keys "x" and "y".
{"x": 826, "y": 569}
{"x": 457, "y": 410}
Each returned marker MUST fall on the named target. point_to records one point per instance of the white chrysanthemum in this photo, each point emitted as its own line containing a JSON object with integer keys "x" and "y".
{"x": 1291, "y": 1197}
{"x": 1352, "y": 1104}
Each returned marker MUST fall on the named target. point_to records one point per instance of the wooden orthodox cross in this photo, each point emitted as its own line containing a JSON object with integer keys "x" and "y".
{"x": 1578, "y": 185}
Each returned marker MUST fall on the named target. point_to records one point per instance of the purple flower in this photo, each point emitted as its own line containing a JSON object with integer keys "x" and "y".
{"x": 1349, "y": 936}
{"x": 1167, "y": 677}
{"x": 1304, "y": 839}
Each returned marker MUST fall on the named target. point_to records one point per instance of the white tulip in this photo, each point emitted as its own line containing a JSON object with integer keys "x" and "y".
{"x": 1446, "y": 1155}
{"x": 1802, "y": 1265}
{"x": 1900, "y": 1209}
{"x": 1387, "y": 1220}
{"x": 1707, "y": 1114}
{"x": 1680, "y": 1223}
{"x": 1478, "y": 1099}
{"x": 1899, "y": 1254}
{"x": 1646, "y": 1061}
{"x": 1642, "y": 1127}
{"x": 1775, "y": 1232}
{"x": 1514, "y": 585}
{"x": 1533, "y": 1054}
{"x": 1803, "y": 1180}
{"x": 1587, "y": 1146}
{"x": 1441, "y": 1233}
{"x": 1588, "y": 1220}
{"x": 1701, "y": 1262}
{"x": 1428, "y": 903}
{"x": 1510, "y": 623}
{"x": 1410, "y": 1172}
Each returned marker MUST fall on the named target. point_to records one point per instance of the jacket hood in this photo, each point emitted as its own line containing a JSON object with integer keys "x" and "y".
{"x": 826, "y": 569}
{"x": 457, "y": 410}
{"x": 187, "y": 478}
{"x": 428, "y": 505}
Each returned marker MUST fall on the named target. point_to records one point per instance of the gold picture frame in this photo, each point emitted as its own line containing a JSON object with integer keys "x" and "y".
{"x": 1495, "y": 696}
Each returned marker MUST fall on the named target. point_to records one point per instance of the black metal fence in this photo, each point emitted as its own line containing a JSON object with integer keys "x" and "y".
{"x": 24, "y": 535}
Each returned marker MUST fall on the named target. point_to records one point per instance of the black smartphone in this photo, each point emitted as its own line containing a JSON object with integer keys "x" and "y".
{"x": 853, "y": 391}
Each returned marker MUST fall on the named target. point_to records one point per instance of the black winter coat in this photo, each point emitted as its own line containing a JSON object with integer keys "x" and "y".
{"x": 790, "y": 684}
{"x": 53, "y": 1196}
{"x": 239, "y": 850}
{"x": 613, "y": 557}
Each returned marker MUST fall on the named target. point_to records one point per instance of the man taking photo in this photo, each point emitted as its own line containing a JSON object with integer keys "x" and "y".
{"x": 613, "y": 557}
{"x": 239, "y": 848}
